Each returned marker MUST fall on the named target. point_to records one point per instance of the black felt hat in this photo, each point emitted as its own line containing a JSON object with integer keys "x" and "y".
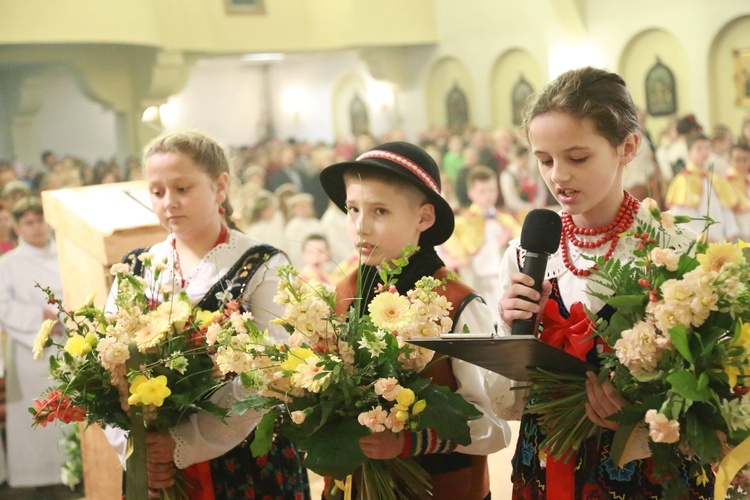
{"x": 409, "y": 163}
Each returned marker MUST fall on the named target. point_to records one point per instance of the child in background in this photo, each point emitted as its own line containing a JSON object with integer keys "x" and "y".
{"x": 738, "y": 176}
{"x": 392, "y": 196}
{"x": 316, "y": 257}
{"x": 698, "y": 191}
{"x": 583, "y": 131}
{"x": 264, "y": 221}
{"x": 481, "y": 236}
{"x": 521, "y": 186}
{"x": 302, "y": 224}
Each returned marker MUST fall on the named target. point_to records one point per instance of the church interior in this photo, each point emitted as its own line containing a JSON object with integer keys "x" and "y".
{"x": 302, "y": 82}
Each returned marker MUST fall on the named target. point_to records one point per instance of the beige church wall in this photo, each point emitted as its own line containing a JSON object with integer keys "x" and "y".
{"x": 70, "y": 123}
{"x": 479, "y": 32}
{"x": 508, "y": 70}
{"x": 205, "y": 25}
{"x": 446, "y": 74}
{"x": 693, "y": 23}
{"x": 723, "y": 89}
{"x": 222, "y": 98}
{"x": 639, "y": 56}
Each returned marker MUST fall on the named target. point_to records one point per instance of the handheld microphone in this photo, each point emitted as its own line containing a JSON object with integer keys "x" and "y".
{"x": 540, "y": 237}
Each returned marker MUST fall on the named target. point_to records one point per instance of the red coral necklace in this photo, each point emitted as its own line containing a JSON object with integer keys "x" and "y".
{"x": 610, "y": 232}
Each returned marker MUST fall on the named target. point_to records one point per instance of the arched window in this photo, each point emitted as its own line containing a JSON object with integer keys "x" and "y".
{"x": 359, "y": 118}
{"x": 521, "y": 92}
{"x": 458, "y": 109}
{"x": 661, "y": 96}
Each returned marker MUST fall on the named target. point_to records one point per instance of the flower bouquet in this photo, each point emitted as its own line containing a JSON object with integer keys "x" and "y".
{"x": 140, "y": 365}
{"x": 677, "y": 349}
{"x": 339, "y": 379}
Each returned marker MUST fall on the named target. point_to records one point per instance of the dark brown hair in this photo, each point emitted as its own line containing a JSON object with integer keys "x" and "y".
{"x": 589, "y": 93}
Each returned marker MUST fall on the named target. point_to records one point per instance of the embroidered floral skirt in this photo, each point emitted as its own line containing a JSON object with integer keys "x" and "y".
{"x": 596, "y": 474}
{"x": 277, "y": 475}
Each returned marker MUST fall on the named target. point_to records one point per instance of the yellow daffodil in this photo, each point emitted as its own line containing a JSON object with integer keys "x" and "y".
{"x": 296, "y": 356}
{"x": 41, "y": 338}
{"x": 77, "y": 345}
{"x": 733, "y": 372}
{"x": 402, "y": 416}
{"x": 205, "y": 318}
{"x": 744, "y": 338}
{"x": 419, "y": 407}
{"x": 149, "y": 391}
{"x": 701, "y": 478}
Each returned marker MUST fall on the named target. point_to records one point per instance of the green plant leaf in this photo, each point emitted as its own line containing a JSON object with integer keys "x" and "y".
{"x": 447, "y": 413}
{"x": 685, "y": 384}
{"x": 679, "y": 337}
{"x": 254, "y": 402}
{"x": 703, "y": 439}
{"x": 264, "y": 433}
{"x": 334, "y": 449}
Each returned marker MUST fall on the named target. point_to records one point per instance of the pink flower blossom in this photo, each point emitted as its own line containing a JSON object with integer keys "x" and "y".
{"x": 661, "y": 429}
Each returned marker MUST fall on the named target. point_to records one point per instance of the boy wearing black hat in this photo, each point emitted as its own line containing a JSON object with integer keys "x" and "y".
{"x": 392, "y": 198}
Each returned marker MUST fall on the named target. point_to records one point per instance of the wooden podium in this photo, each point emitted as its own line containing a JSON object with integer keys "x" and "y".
{"x": 94, "y": 227}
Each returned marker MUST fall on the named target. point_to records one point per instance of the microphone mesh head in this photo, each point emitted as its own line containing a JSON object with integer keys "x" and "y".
{"x": 541, "y": 231}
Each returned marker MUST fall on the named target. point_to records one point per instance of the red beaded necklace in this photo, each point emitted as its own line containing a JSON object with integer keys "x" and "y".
{"x": 223, "y": 238}
{"x": 611, "y": 232}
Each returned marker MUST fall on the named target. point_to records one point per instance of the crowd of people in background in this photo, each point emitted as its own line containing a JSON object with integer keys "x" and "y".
{"x": 278, "y": 198}
{"x": 490, "y": 179}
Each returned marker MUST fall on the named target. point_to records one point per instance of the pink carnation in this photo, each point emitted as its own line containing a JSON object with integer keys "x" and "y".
{"x": 661, "y": 429}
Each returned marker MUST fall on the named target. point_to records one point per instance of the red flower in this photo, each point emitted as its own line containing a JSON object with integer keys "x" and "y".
{"x": 289, "y": 452}
{"x": 279, "y": 478}
{"x": 250, "y": 492}
{"x": 261, "y": 461}
{"x": 56, "y": 406}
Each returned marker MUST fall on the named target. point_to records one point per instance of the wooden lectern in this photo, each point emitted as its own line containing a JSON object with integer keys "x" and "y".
{"x": 94, "y": 227}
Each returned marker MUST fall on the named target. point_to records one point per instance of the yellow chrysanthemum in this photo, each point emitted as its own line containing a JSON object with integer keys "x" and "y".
{"x": 77, "y": 345}
{"x": 41, "y": 338}
{"x": 296, "y": 356}
{"x": 391, "y": 312}
{"x": 176, "y": 312}
{"x": 720, "y": 254}
{"x": 149, "y": 391}
{"x": 153, "y": 332}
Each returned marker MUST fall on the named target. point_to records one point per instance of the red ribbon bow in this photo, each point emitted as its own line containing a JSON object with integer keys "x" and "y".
{"x": 572, "y": 335}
